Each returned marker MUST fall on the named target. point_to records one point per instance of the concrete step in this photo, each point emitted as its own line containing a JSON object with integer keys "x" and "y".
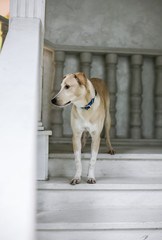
{"x": 115, "y": 142}
{"x": 108, "y": 192}
{"x": 100, "y": 223}
{"x": 127, "y": 162}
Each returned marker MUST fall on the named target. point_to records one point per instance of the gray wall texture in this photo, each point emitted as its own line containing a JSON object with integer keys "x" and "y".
{"x": 110, "y": 23}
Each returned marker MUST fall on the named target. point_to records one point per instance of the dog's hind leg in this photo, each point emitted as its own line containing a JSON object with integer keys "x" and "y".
{"x": 83, "y": 140}
{"x": 107, "y": 132}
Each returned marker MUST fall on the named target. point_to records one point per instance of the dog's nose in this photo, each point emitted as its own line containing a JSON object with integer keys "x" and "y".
{"x": 54, "y": 101}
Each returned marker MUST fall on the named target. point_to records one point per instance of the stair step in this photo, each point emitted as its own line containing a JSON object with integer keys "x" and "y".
{"x": 127, "y": 162}
{"x": 101, "y": 218}
{"x": 115, "y": 142}
{"x": 110, "y": 223}
{"x": 107, "y": 192}
{"x": 125, "y": 203}
{"x": 62, "y": 183}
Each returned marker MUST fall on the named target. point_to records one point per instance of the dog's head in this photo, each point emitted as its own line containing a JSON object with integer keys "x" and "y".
{"x": 73, "y": 87}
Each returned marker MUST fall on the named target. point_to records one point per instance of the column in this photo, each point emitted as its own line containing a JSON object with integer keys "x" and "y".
{"x": 32, "y": 10}
{"x": 158, "y": 98}
{"x": 18, "y": 98}
{"x": 111, "y": 63}
{"x": 48, "y": 77}
{"x": 56, "y": 115}
{"x": 85, "y": 63}
{"x": 136, "y": 96}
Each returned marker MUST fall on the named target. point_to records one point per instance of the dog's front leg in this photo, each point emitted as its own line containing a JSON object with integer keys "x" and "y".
{"x": 94, "y": 151}
{"x": 77, "y": 153}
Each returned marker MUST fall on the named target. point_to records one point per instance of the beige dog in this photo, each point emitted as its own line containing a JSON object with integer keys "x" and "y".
{"x": 91, "y": 101}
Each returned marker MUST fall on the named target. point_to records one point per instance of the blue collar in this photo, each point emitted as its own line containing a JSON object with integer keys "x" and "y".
{"x": 88, "y": 106}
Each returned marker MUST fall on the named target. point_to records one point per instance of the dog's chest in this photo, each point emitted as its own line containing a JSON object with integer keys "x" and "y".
{"x": 89, "y": 127}
{"x": 86, "y": 125}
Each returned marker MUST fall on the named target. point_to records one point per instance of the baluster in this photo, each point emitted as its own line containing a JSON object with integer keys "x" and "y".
{"x": 136, "y": 96}
{"x": 85, "y": 63}
{"x": 158, "y": 98}
{"x": 48, "y": 77}
{"x": 111, "y": 62}
{"x": 56, "y": 116}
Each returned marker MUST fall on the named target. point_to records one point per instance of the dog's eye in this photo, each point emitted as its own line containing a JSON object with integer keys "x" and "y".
{"x": 67, "y": 86}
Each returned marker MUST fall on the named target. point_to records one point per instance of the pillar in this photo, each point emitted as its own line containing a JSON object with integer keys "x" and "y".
{"x": 111, "y": 62}
{"x": 158, "y": 98}
{"x": 31, "y": 10}
{"x": 20, "y": 72}
{"x": 136, "y": 96}
{"x": 48, "y": 77}
{"x": 56, "y": 115}
{"x": 85, "y": 63}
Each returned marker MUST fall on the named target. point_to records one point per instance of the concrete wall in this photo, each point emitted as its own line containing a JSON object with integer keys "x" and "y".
{"x": 110, "y": 23}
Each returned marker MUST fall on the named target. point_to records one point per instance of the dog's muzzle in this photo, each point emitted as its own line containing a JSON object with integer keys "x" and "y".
{"x": 55, "y": 102}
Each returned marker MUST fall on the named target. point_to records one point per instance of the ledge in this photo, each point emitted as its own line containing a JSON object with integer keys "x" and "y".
{"x": 103, "y": 50}
{"x": 44, "y": 132}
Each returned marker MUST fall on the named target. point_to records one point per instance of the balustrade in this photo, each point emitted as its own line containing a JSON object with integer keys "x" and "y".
{"x": 135, "y": 91}
{"x": 158, "y": 98}
{"x": 85, "y": 63}
{"x": 136, "y": 96}
{"x": 111, "y": 62}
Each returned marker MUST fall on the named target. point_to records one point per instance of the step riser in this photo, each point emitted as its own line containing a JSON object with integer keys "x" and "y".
{"x": 109, "y": 168}
{"x": 91, "y": 235}
{"x": 51, "y": 200}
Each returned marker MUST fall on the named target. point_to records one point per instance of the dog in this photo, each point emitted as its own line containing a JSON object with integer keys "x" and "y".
{"x": 90, "y": 111}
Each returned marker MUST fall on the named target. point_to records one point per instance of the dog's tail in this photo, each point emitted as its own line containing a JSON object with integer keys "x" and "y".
{"x": 83, "y": 140}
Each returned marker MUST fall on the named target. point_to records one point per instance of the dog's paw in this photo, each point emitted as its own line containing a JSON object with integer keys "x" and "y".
{"x": 75, "y": 181}
{"x": 112, "y": 152}
{"x": 91, "y": 180}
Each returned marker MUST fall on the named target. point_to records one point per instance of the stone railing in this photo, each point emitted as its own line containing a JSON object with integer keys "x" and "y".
{"x": 3, "y": 28}
{"x": 111, "y": 56}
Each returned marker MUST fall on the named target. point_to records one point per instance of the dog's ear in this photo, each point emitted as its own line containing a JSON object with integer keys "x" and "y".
{"x": 63, "y": 78}
{"x": 81, "y": 78}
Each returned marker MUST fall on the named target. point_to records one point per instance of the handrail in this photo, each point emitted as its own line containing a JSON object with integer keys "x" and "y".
{"x": 103, "y": 50}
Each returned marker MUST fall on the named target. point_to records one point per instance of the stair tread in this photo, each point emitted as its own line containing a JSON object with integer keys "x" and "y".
{"x": 100, "y": 218}
{"x": 103, "y": 183}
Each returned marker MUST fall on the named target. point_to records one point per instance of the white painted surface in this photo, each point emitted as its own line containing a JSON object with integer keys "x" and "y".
{"x": 32, "y": 9}
{"x": 100, "y": 219}
{"x": 125, "y": 163}
{"x": 96, "y": 235}
{"x": 19, "y": 71}
{"x": 124, "y": 204}
{"x": 105, "y": 183}
{"x": 88, "y": 210}
{"x": 42, "y": 154}
{"x": 100, "y": 198}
